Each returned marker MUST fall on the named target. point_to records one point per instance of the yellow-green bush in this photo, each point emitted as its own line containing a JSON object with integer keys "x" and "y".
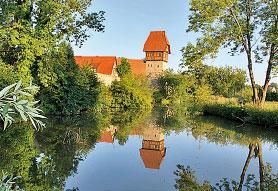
{"x": 8, "y": 75}
{"x": 132, "y": 92}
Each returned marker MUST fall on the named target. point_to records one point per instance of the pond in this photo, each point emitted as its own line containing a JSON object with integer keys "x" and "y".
{"x": 133, "y": 150}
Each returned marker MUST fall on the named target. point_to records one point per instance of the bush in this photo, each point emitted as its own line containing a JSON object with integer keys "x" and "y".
{"x": 175, "y": 88}
{"x": 245, "y": 94}
{"x": 248, "y": 114}
{"x": 104, "y": 100}
{"x": 178, "y": 90}
{"x": 202, "y": 96}
{"x": 132, "y": 92}
{"x": 272, "y": 96}
{"x": 7, "y": 75}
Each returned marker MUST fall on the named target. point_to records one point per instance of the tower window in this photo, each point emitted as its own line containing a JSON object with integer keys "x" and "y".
{"x": 158, "y": 66}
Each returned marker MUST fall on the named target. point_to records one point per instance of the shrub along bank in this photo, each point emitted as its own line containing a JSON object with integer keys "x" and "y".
{"x": 132, "y": 92}
{"x": 248, "y": 114}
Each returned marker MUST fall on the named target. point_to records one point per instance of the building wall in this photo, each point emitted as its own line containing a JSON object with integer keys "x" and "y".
{"x": 153, "y": 133}
{"x": 107, "y": 79}
{"x": 155, "y": 68}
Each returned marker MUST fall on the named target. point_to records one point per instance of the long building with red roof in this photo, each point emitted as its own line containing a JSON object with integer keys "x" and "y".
{"x": 156, "y": 47}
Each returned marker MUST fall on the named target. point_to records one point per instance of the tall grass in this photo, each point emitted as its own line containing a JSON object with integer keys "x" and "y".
{"x": 265, "y": 115}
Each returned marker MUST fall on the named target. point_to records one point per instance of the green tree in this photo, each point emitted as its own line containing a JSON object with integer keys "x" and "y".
{"x": 244, "y": 25}
{"x": 65, "y": 88}
{"x": 182, "y": 90}
{"x": 132, "y": 92}
{"x": 176, "y": 88}
{"x": 124, "y": 68}
{"x": 224, "y": 81}
{"x": 31, "y": 28}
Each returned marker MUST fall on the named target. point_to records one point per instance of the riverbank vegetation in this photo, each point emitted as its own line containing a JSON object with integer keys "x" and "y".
{"x": 264, "y": 116}
{"x": 39, "y": 49}
{"x": 236, "y": 25}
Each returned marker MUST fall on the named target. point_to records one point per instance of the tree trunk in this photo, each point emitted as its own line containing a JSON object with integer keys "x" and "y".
{"x": 249, "y": 157}
{"x": 271, "y": 61}
{"x": 261, "y": 164}
{"x": 252, "y": 79}
{"x": 268, "y": 75}
{"x": 248, "y": 49}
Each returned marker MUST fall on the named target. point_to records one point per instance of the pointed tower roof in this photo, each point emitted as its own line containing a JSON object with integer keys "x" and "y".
{"x": 152, "y": 158}
{"x": 157, "y": 41}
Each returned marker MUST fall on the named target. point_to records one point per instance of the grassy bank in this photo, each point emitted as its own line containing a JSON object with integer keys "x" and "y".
{"x": 265, "y": 116}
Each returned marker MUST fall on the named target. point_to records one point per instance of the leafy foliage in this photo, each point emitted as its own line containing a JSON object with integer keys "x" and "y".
{"x": 132, "y": 92}
{"x": 65, "y": 88}
{"x": 30, "y": 29}
{"x": 243, "y": 25}
{"x": 8, "y": 75}
{"x": 8, "y": 183}
{"x": 245, "y": 94}
{"x": 224, "y": 81}
{"x": 181, "y": 90}
{"x": 186, "y": 180}
{"x": 247, "y": 114}
{"x": 104, "y": 100}
{"x": 272, "y": 96}
{"x": 124, "y": 68}
{"x": 11, "y": 104}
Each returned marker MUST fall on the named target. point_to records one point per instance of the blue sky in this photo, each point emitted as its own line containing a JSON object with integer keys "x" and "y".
{"x": 128, "y": 23}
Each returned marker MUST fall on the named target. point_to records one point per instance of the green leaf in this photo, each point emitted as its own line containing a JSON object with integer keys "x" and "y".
{"x": 19, "y": 83}
{"x": 6, "y": 108}
{"x": 22, "y": 102}
{"x": 6, "y": 90}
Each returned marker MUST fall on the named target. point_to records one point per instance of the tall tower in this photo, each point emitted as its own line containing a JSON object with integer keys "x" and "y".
{"x": 157, "y": 49}
{"x": 153, "y": 150}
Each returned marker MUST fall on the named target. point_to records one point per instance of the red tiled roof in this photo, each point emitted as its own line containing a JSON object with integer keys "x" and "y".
{"x": 102, "y": 64}
{"x": 152, "y": 158}
{"x": 157, "y": 41}
{"x": 106, "y": 137}
{"x": 138, "y": 66}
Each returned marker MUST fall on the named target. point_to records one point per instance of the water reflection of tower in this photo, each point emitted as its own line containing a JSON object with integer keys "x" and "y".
{"x": 153, "y": 150}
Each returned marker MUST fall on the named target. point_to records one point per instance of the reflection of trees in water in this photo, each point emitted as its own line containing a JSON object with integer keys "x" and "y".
{"x": 213, "y": 129}
{"x": 63, "y": 144}
{"x": 186, "y": 179}
{"x": 218, "y": 131}
{"x": 128, "y": 120}
{"x": 171, "y": 119}
{"x": 18, "y": 152}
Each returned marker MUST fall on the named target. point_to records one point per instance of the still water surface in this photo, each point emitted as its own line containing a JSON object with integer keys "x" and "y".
{"x": 132, "y": 151}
